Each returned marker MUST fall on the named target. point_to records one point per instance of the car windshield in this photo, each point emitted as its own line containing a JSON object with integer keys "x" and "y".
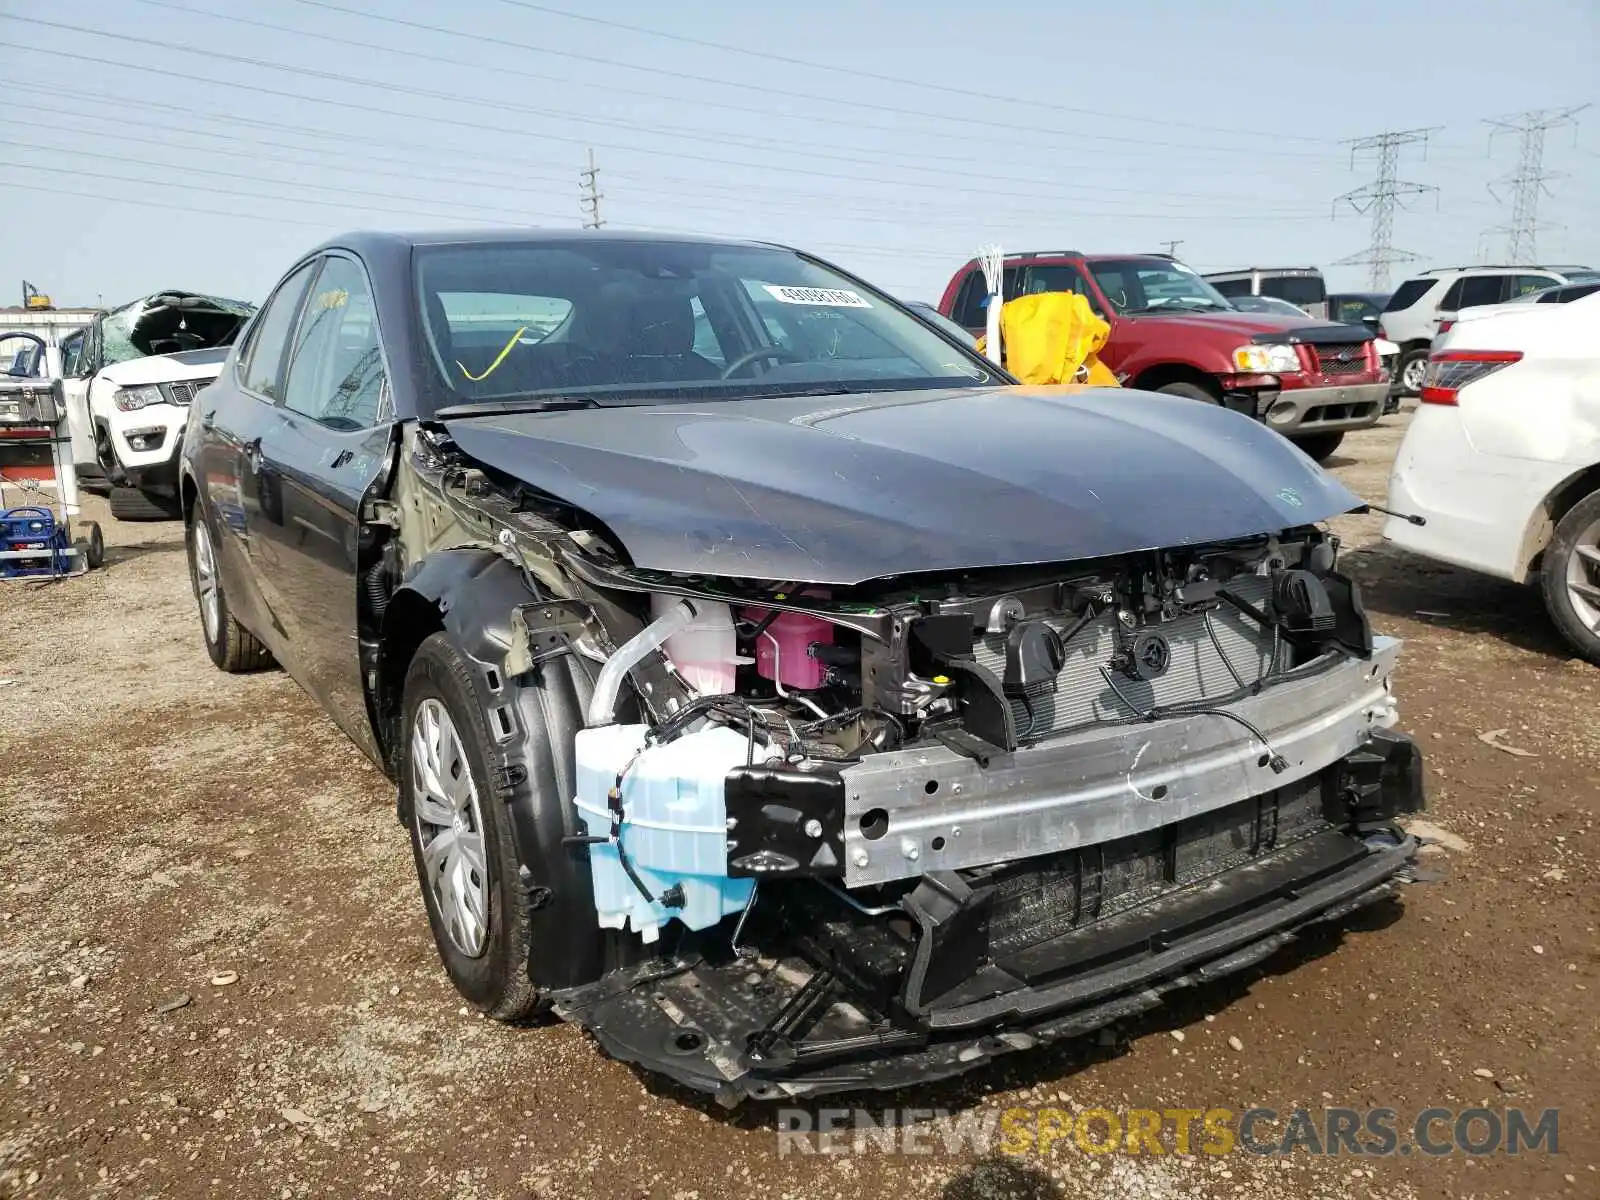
{"x": 1267, "y": 304}
{"x": 169, "y": 322}
{"x": 1352, "y": 309}
{"x": 643, "y": 321}
{"x": 1143, "y": 285}
{"x": 1582, "y": 276}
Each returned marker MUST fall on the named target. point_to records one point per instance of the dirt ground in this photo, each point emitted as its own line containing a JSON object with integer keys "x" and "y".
{"x": 216, "y": 978}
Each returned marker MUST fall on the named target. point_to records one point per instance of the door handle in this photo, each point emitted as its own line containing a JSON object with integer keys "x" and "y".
{"x": 341, "y": 459}
{"x": 208, "y": 418}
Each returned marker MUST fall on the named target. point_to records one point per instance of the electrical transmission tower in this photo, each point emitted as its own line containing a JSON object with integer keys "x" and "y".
{"x": 1172, "y": 247}
{"x": 1381, "y": 197}
{"x": 1528, "y": 180}
{"x": 590, "y": 195}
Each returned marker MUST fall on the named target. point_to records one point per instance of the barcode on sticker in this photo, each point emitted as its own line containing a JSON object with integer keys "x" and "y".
{"x": 827, "y": 297}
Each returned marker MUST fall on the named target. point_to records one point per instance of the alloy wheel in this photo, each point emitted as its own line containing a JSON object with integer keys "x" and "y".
{"x": 1411, "y": 378}
{"x": 1583, "y": 577}
{"x": 205, "y": 580}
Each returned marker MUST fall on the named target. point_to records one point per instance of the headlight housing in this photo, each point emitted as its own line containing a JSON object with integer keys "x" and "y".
{"x": 131, "y": 399}
{"x": 1267, "y": 359}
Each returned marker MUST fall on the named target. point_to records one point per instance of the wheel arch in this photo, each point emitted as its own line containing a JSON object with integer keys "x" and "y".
{"x": 1158, "y": 375}
{"x": 470, "y": 595}
{"x": 1542, "y": 524}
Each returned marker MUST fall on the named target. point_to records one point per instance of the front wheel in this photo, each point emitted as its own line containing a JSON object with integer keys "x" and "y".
{"x": 1192, "y": 390}
{"x": 1413, "y": 366}
{"x": 461, "y": 837}
{"x": 1319, "y": 446}
{"x": 131, "y": 504}
{"x": 1571, "y": 577}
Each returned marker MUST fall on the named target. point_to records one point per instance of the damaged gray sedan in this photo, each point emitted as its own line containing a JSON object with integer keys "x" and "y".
{"x": 772, "y": 685}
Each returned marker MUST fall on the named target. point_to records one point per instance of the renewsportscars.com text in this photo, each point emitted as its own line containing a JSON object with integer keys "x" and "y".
{"x": 1365, "y": 1132}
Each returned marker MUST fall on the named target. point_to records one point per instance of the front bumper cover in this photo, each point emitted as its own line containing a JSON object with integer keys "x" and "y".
{"x": 1322, "y": 409}
{"x": 967, "y": 966}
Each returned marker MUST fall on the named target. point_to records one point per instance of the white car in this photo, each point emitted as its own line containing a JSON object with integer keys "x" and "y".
{"x": 1412, "y": 316}
{"x": 1502, "y": 458}
{"x": 130, "y": 376}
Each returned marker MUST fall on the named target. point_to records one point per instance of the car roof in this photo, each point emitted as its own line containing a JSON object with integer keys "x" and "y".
{"x": 364, "y": 241}
{"x": 1016, "y": 256}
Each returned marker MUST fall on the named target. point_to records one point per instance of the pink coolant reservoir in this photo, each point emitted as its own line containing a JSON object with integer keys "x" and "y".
{"x": 783, "y": 649}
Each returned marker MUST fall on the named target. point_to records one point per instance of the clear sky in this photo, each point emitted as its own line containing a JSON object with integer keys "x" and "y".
{"x": 203, "y": 144}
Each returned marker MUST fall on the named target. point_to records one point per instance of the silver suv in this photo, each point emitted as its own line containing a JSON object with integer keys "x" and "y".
{"x": 1412, "y": 315}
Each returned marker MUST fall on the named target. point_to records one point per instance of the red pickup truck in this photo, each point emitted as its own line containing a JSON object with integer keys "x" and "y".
{"x": 1171, "y": 331}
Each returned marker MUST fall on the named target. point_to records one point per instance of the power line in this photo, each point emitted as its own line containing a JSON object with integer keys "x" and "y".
{"x": 1527, "y": 182}
{"x": 1039, "y": 187}
{"x": 442, "y": 152}
{"x": 693, "y": 98}
{"x": 590, "y": 195}
{"x": 1381, "y": 197}
{"x": 487, "y": 178}
{"x": 897, "y": 80}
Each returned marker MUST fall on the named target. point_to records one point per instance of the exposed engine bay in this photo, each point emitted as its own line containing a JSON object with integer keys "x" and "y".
{"x": 870, "y": 833}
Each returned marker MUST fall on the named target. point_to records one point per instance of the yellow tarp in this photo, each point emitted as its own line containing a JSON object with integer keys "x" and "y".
{"x": 1053, "y": 337}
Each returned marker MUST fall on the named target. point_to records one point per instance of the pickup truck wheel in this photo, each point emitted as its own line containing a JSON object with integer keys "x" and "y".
{"x": 232, "y": 647}
{"x": 1319, "y": 446}
{"x": 1571, "y": 577}
{"x": 1413, "y": 365}
{"x": 461, "y": 836}
{"x": 1192, "y": 390}
{"x": 130, "y": 504}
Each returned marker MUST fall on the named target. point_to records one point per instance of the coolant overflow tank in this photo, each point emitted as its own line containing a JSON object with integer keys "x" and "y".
{"x": 674, "y": 828}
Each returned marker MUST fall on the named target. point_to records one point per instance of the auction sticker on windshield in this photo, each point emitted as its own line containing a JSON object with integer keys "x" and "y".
{"x": 827, "y": 297}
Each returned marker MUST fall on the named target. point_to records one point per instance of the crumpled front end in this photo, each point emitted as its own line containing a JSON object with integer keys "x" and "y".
{"x": 866, "y": 835}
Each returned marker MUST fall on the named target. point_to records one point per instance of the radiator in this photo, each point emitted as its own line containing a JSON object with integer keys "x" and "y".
{"x": 1196, "y": 673}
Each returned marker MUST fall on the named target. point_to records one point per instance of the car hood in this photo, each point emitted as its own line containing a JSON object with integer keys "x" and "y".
{"x": 167, "y": 368}
{"x": 843, "y": 489}
{"x": 1258, "y": 327}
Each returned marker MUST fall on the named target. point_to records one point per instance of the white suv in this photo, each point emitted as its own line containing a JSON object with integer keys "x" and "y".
{"x": 1412, "y": 315}
{"x": 130, "y": 376}
{"x": 1502, "y": 459}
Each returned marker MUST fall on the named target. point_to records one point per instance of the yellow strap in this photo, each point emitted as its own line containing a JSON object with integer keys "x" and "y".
{"x": 499, "y": 358}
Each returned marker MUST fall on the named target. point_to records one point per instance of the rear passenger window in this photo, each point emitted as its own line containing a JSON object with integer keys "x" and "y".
{"x": 1521, "y": 285}
{"x": 1408, "y": 293}
{"x": 1482, "y": 289}
{"x": 336, "y": 369}
{"x": 262, "y": 370}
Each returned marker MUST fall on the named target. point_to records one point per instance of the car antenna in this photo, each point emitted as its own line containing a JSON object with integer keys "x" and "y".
{"x": 1369, "y": 506}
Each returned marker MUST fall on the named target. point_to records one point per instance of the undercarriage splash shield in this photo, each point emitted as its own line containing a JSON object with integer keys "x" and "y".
{"x": 1032, "y": 954}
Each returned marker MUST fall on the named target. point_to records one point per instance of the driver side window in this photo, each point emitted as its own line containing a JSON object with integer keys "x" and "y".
{"x": 336, "y": 372}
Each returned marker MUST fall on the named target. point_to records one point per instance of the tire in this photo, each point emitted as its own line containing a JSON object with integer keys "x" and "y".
{"x": 94, "y": 545}
{"x": 130, "y": 504}
{"x": 484, "y": 947}
{"x": 541, "y": 929}
{"x": 1192, "y": 390}
{"x": 232, "y": 647}
{"x": 1570, "y": 577}
{"x": 1319, "y": 446}
{"x": 1407, "y": 364}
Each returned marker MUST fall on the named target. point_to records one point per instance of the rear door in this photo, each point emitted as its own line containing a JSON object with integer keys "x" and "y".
{"x": 233, "y": 411}
{"x": 322, "y": 447}
{"x": 1470, "y": 291}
